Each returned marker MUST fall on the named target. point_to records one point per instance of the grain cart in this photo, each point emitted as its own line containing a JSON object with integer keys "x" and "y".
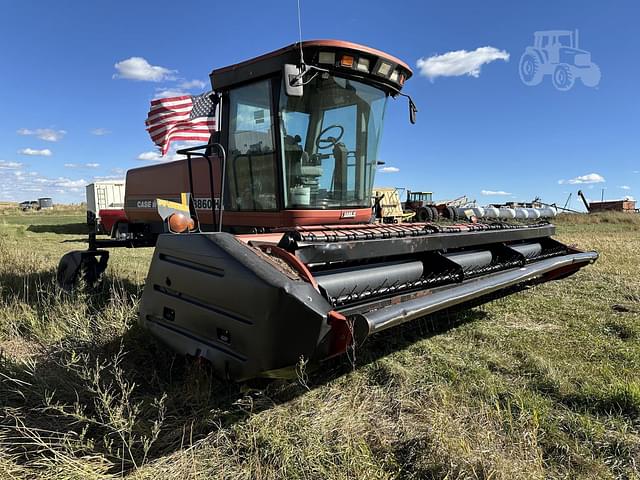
{"x": 265, "y": 252}
{"x": 556, "y": 53}
{"x": 105, "y": 201}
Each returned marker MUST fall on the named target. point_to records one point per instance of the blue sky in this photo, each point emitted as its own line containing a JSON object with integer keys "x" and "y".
{"x": 67, "y": 119}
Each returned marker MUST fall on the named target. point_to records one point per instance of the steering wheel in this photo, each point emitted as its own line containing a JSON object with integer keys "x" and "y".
{"x": 324, "y": 143}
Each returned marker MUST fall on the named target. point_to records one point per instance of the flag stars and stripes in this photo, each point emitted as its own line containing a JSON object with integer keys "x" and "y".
{"x": 185, "y": 117}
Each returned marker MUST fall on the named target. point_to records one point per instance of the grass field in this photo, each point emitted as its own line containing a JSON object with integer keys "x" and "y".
{"x": 543, "y": 384}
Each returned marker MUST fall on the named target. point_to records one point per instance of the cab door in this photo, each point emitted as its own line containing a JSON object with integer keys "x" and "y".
{"x": 252, "y": 169}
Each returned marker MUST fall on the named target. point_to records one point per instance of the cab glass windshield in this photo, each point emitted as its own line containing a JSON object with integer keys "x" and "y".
{"x": 330, "y": 139}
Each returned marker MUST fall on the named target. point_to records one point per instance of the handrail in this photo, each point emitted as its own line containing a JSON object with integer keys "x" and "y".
{"x": 223, "y": 156}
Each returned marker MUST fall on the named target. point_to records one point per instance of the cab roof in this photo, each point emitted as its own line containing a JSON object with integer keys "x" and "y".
{"x": 269, "y": 63}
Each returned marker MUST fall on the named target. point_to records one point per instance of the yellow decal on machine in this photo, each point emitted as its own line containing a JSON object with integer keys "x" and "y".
{"x": 183, "y": 206}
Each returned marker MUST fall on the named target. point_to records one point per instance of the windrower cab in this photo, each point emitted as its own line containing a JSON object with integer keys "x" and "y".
{"x": 301, "y": 140}
{"x": 265, "y": 249}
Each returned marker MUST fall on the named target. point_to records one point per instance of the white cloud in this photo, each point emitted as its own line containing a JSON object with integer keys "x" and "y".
{"x": 179, "y": 90}
{"x": 167, "y": 93}
{"x": 636, "y": 171}
{"x": 100, "y": 132}
{"x": 68, "y": 183}
{"x": 48, "y": 134}
{"x": 150, "y": 156}
{"x": 45, "y": 152}
{"x": 9, "y": 165}
{"x": 59, "y": 182}
{"x": 389, "y": 170}
{"x": 630, "y": 198}
{"x": 189, "y": 84}
{"x": 20, "y": 182}
{"x": 98, "y": 178}
{"x": 589, "y": 178}
{"x": 500, "y": 193}
{"x": 137, "y": 68}
{"x": 460, "y": 62}
{"x": 155, "y": 156}
{"x": 51, "y": 135}
{"x": 625, "y": 187}
{"x": 81, "y": 165}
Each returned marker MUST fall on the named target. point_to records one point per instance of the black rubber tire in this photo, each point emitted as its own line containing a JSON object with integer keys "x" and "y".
{"x": 423, "y": 214}
{"x": 69, "y": 270}
{"x": 84, "y": 265}
{"x": 90, "y": 271}
{"x": 448, "y": 213}
{"x": 434, "y": 213}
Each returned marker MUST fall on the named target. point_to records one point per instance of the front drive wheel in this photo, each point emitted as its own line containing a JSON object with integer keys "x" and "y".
{"x": 591, "y": 76}
{"x": 563, "y": 78}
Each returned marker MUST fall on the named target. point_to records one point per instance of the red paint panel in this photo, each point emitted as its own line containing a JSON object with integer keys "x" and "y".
{"x": 110, "y": 216}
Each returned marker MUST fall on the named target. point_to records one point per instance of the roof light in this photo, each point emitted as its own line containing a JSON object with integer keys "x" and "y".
{"x": 401, "y": 79}
{"x": 346, "y": 61}
{"x": 383, "y": 69}
{"x": 394, "y": 76}
{"x": 327, "y": 58}
{"x": 363, "y": 65}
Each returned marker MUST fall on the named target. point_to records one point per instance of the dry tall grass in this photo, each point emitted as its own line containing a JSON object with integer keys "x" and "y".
{"x": 543, "y": 384}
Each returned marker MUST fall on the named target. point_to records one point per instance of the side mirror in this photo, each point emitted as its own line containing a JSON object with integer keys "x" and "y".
{"x": 412, "y": 111}
{"x": 293, "y": 80}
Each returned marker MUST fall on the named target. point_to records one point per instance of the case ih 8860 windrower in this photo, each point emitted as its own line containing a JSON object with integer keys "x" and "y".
{"x": 292, "y": 266}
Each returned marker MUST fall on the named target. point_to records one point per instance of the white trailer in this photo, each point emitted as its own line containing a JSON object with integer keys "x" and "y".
{"x": 103, "y": 195}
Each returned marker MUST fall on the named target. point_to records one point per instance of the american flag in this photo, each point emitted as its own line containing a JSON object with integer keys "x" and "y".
{"x": 187, "y": 117}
